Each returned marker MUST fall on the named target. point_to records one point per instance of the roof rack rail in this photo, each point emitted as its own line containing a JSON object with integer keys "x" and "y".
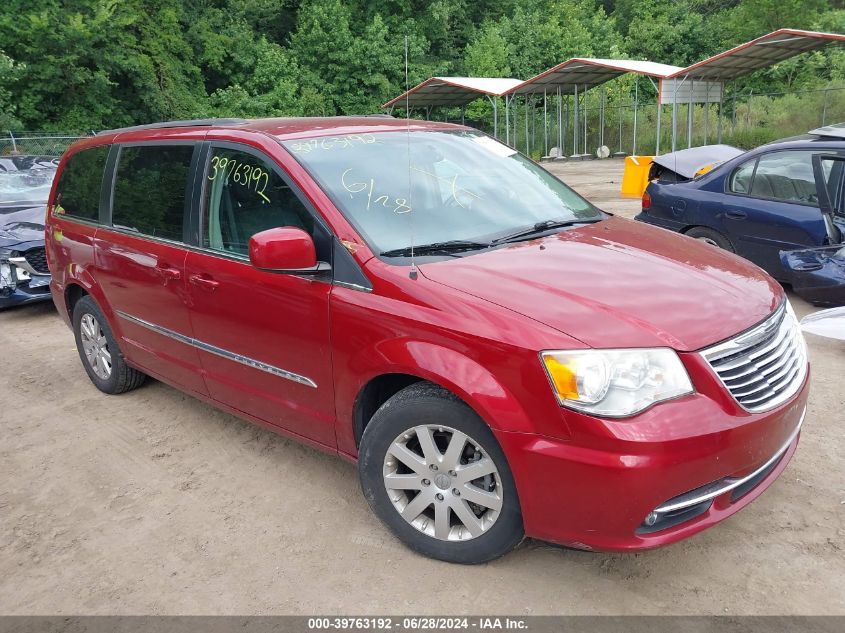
{"x": 169, "y": 124}
{"x": 378, "y": 115}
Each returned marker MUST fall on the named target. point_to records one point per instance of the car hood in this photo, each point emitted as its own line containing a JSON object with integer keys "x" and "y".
{"x": 21, "y": 222}
{"x": 619, "y": 283}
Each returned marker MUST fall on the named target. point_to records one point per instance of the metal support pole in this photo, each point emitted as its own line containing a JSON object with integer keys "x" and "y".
{"x": 14, "y": 143}
{"x": 689, "y": 114}
{"x": 575, "y": 122}
{"x": 601, "y": 116}
{"x": 559, "y": 123}
{"x": 636, "y": 107}
{"x": 657, "y": 138}
{"x": 527, "y": 146}
{"x": 463, "y": 113}
{"x": 824, "y": 108}
{"x": 706, "y": 113}
{"x": 496, "y": 117}
{"x": 507, "y": 121}
{"x": 719, "y": 121}
{"x": 545, "y": 124}
{"x": 584, "y": 97}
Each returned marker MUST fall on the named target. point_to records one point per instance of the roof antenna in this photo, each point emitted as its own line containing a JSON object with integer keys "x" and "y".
{"x": 413, "y": 273}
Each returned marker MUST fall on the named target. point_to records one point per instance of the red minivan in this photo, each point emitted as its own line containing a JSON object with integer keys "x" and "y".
{"x": 500, "y": 357}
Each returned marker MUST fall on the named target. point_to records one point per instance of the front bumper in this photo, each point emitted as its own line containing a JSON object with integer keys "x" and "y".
{"x": 21, "y": 284}
{"x": 597, "y": 495}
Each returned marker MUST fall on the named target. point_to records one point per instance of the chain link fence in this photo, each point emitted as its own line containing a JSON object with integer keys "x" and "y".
{"x": 37, "y": 143}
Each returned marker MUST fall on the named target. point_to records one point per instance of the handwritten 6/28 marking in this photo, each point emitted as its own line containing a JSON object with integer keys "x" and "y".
{"x": 252, "y": 177}
{"x": 397, "y": 205}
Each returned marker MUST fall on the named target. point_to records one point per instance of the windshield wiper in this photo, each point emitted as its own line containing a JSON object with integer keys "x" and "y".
{"x": 450, "y": 247}
{"x": 539, "y": 227}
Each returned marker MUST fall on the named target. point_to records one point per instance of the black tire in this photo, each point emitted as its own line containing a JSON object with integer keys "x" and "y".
{"x": 122, "y": 378}
{"x": 711, "y": 237}
{"x": 427, "y": 404}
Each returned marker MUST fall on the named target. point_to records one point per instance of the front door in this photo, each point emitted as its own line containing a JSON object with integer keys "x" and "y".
{"x": 778, "y": 211}
{"x": 140, "y": 261}
{"x": 263, "y": 337}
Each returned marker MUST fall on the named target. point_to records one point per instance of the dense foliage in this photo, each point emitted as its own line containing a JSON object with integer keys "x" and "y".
{"x": 89, "y": 64}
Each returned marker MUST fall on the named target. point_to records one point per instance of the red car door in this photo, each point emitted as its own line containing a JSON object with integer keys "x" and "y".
{"x": 140, "y": 261}
{"x": 263, "y": 337}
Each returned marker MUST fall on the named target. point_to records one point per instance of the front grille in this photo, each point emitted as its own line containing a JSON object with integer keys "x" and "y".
{"x": 764, "y": 366}
{"x": 37, "y": 258}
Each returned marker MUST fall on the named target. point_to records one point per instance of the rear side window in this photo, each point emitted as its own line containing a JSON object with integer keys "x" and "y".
{"x": 149, "y": 189}
{"x": 786, "y": 176}
{"x": 741, "y": 179}
{"x": 78, "y": 190}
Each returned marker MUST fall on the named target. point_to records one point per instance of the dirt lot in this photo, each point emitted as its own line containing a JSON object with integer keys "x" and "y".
{"x": 153, "y": 502}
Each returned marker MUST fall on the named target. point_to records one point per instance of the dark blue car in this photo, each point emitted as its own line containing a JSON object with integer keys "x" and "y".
{"x": 779, "y": 197}
{"x": 25, "y": 183}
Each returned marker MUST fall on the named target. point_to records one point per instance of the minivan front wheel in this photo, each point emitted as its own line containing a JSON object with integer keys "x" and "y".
{"x": 432, "y": 470}
{"x": 98, "y": 350}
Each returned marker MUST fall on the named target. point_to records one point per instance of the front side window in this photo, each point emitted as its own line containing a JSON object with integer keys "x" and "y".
{"x": 435, "y": 185}
{"x": 786, "y": 176}
{"x": 78, "y": 189}
{"x": 149, "y": 189}
{"x": 741, "y": 179}
{"x": 245, "y": 195}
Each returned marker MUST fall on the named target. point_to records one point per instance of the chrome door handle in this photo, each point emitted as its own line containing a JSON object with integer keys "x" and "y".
{"x": 167, "y": 273}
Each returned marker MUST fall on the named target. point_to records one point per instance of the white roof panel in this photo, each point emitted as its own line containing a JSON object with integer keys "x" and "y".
{"x": 590, "y": 72}
{"x": 765, "y": 51}
{"x": 453, "y": 91}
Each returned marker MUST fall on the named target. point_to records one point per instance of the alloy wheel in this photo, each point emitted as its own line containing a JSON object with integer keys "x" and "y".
{"x": 443, "y": 483}
{"x": 95, "y": 345}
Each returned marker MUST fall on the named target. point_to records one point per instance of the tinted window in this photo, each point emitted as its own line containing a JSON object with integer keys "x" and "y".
{"x": 785, "y": 176}
{"x": 244, "y": 195}
{"x": 78, "y": 191}
{"x": 741, "y": 179}
{"x": 149, "y": 191}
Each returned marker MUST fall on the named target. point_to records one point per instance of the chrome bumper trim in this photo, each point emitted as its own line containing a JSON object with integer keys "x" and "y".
{"x": 219, "y": 351}
{"x": 726, "y": 485}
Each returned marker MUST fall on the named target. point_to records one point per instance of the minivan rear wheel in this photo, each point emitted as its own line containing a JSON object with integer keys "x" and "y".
{"x": 433, "y": 472}
{"x": 98, "y": 350}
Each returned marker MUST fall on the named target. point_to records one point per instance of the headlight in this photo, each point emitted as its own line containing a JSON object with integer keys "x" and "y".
{"x": 615, "y": 382}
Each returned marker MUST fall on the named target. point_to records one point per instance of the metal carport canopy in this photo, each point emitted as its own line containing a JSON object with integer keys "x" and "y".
{"x": 760, "y": 53}
{"x": 586, "y": 72}
{"x": 452, "y": 91}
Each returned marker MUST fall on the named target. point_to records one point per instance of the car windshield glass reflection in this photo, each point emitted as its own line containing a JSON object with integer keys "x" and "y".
{"x": 440, "y": 187}
{"x": 27, "y": 185}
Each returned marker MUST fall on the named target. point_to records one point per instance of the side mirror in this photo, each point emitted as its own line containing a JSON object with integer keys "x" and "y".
{"x": 284, "y": 249}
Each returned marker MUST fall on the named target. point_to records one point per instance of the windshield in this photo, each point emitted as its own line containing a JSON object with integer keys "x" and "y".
{"x": 463, "y": 186}
{"x": 26, "y": 185}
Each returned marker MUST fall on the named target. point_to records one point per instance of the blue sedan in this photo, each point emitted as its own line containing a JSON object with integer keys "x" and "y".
{"x": 783, "y": 196}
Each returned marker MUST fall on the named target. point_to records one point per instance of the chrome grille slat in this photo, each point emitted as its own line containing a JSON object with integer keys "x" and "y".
{"x": 763, "y": 366}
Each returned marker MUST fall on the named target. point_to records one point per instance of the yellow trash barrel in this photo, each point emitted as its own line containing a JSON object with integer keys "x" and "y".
{"x": 635, "y": 176}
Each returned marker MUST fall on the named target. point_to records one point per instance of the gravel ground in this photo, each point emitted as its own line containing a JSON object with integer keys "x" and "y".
{"x": 153, "y": 502}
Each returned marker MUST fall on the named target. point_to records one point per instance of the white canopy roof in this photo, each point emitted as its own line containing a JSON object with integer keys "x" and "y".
{"x": 452, "y": 91}
{"x": 765, "y": 51}
{"x": 589, "y": 72}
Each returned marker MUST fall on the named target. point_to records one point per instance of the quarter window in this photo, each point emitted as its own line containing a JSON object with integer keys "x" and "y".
{"x": 741, "y": 179}
{"x": 149, "y": 190}
{"x": 78, "y": 190}
{"x": 786, "y": 176}
{"x": 245, "y": 195}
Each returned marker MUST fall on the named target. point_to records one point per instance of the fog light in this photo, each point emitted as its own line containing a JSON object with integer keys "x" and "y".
{"x": 651, "y": 519}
